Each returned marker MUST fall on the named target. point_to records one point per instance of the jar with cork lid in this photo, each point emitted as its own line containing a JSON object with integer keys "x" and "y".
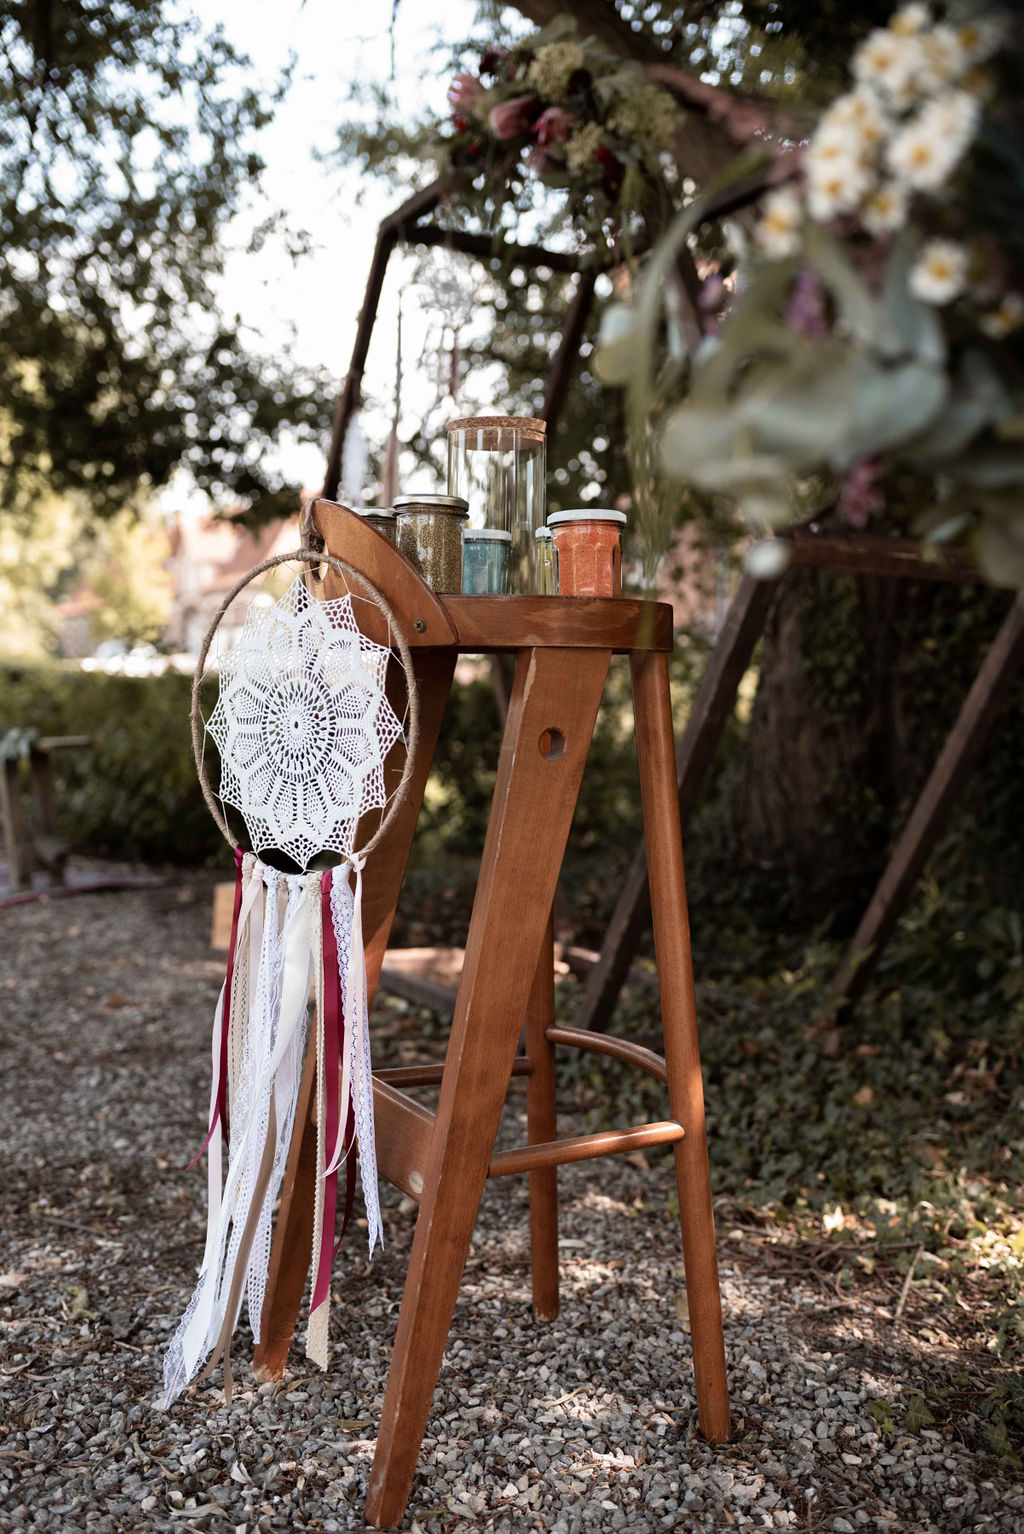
{"x": 497, "y": 463}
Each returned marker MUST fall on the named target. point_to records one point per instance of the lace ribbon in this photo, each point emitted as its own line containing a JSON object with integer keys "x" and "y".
{"x": 287, "y": 930}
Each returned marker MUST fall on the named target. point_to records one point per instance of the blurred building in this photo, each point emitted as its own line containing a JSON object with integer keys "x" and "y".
{"x": 208, "y": 556}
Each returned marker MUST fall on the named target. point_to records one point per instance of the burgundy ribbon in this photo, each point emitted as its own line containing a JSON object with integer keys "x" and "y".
{"x": 220, "y": 1112}
{"x": 333, "y": 1022}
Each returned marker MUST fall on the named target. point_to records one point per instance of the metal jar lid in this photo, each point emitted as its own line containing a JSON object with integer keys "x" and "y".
{"x": 585, "y": 514}
{"x": 543, "y": 532}
{"x": 383, "y": 512}
{"x": 452, "y": 505}
{"x": 497, "y": 533}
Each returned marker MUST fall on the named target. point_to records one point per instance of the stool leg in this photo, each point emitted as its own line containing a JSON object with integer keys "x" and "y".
{"x": 656, "y": 753}
{"x": 551, "y": 718}
{"x": 382, "y": 883}
{"x": 541, "y": 1126}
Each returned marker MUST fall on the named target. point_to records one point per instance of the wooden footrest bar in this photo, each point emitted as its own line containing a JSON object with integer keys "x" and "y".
{"x": 404, "y": 1129}
{"x": 607, "y": 1142}
{"x": 430, "y": 1075}
{"x": 603, "y": 1044}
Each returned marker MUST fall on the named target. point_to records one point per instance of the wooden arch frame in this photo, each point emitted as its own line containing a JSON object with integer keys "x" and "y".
{"x": 745, "y": 622}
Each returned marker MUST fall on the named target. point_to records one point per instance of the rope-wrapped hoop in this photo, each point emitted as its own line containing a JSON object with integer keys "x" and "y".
{"x": 310, "y": 556}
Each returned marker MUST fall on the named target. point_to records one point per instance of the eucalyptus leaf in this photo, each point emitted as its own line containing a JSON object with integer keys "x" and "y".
{"x": 906, "y": 325}
{"x": 978, "y": 398}
{"x": 693, "y": 435}
{"x": 999, "y": 549}
{"x": 856, "y": 308}
{"x": 806, "y": 413}
{"x": 890, "y": 405}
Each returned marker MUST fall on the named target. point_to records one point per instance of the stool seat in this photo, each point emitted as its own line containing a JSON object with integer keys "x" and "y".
{"x": 443, "y": 1158}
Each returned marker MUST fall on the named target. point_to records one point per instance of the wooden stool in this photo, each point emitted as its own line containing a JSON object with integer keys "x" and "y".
{"x": 39, "y": 847}
{"x": 563, "y": 647}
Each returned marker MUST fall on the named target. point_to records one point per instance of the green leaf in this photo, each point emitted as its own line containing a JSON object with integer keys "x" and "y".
{"x": 917, "y": 1415}
{"x": 890, "y": 405}
{"x": 855, "y": 306}
{"x": 882, "y": 1413}
{"x": 906, "y": 325}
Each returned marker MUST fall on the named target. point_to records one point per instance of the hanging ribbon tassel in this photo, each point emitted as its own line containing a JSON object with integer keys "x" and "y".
{"x": 269, "y": 1045}
{"x": 345, "y": 1110}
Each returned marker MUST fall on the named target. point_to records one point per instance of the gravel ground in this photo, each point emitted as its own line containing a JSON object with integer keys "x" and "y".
{"x": 586, "y": 1423}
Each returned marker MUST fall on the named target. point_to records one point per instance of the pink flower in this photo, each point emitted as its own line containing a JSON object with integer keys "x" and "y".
{"x": 554, "y": 126}
{"x": 860, "y": 499}
{"x": 511, "y": 119}
{"x": 463, "y": 91}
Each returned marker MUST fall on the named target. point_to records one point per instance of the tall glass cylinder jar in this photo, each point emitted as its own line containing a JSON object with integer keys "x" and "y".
{"x": 497, "y": 464}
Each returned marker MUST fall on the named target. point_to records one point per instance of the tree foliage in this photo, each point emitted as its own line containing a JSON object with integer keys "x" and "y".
{"x": 127, "y": 139}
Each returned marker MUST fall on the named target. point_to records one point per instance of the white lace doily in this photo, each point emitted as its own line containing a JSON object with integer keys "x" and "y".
{"x": 303, "y": 725}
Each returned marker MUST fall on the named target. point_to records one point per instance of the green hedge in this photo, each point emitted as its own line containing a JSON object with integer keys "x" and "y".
{"x": 135, "y": 795}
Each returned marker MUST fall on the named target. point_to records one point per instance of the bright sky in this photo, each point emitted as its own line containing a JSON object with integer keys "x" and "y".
{"x": 336, "y": 43}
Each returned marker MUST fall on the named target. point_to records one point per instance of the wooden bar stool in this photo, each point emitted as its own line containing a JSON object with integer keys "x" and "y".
{"x": 563, "y": 647}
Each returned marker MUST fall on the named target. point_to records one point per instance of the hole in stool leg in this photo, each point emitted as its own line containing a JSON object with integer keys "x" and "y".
{"x": 552, "y": 744}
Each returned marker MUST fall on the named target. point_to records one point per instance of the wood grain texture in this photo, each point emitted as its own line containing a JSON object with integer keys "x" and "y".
{"x": 404, "y": 1129}
{"x": 534, "y": 799}
{"x": 653, "y": 709}
{"x": 420, "y": 613}
{"x": 604, "y": 1142}
{"x": 515, "y": 623}
{"x": 617, "y": 1049}
{"x": 712, "y": 708}
{"x": 542, "y": 1125}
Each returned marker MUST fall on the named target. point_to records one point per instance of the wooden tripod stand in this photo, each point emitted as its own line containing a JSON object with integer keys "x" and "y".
{"x": 563, "y": 648}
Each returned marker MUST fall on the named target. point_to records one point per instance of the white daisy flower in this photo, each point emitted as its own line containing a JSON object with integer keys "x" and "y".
{"x": 910, "y": 19}
{"x": 835, "y": 186}
{"x": 885, "y": 210}
{"x": 888, "y": 61}
{"x": 953, "y": 116}
{"x": 778, "y": 232}
{"x": 940, "y": 272}
{"x": 919, "y": 158}
{"x": 1007, "y": 318}
{"x": 979, "y": 39}
{"x": 943, "y": 57}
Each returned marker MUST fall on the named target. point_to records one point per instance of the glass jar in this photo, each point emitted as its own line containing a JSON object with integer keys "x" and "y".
{"x": 380, "y": 518}
{"x": 547, "y": 584}
{"x": 497, "y": 464}
{"x": 588, "y": 552}
{"x": 485, "y": 561}
{"x": 430, "y": 535}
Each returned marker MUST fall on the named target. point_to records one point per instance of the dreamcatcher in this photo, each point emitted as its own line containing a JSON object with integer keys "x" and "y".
{"x": 304, "y": 727}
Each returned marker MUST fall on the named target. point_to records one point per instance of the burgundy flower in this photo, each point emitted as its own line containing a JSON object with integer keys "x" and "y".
{"x": 512, "y": 118}
{"x": 611, "y": 168}
{"x": 860, "y": 499}
{"x": 463, "y": 91}
{"x": 554, "y": 126}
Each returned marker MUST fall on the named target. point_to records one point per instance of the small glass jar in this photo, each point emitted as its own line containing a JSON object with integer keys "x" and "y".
{"x": 497, "y": 462}
{"x": 430, "y": 535}
{"x": 588, "y": 552}
{"x": 547, "y": 584}
{"x": 380, "y": 518}
{"x": 485, "y": 561}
